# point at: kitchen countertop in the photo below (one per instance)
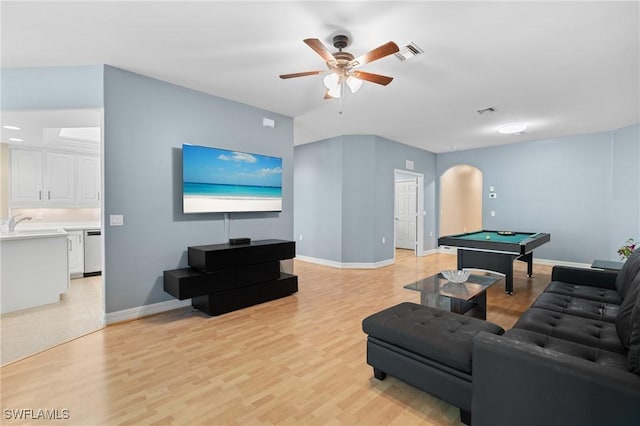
(22, 234)
(45, 229)
(67, 226)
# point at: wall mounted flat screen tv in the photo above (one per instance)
(220, 180)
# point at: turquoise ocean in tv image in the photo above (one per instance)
(220, 190)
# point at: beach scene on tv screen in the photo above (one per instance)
(219, 180)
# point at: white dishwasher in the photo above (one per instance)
(92, 252)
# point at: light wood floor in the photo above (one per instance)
(299, 360)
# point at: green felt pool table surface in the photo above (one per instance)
(494, 236)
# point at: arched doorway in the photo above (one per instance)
(460, 200)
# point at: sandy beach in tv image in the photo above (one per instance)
(218, 180)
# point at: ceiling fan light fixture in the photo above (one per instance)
(335, 92)
(354, 83)
(331, 81)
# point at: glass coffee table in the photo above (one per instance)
(467, 298)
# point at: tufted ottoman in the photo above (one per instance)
(427, 348)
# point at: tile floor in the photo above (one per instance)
(33, 330)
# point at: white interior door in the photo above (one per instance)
(406, 214)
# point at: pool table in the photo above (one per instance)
(494, 252)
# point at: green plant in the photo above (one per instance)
(628, 248)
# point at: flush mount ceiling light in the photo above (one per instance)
(512, 129)
(16, 140)
(12, 127)
(342, 66)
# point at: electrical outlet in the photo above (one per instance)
(383, 240)
(300, 237)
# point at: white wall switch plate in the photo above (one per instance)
(116, 220)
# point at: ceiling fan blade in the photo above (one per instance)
(300, 74)
(377, 53)
(320, 49)
(374, 78)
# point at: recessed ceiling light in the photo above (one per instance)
(16, 140)
(512, 129)
(12, 127)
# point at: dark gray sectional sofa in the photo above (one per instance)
(573, 358)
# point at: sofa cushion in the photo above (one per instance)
(584, 292)
(577, 306)
(442, 336)
(634, 341)
(586, 331)
(623, 320)
(629, 270)
(588, 353)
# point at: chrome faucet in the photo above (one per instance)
(13, 222)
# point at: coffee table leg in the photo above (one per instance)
(481, 305)
(478, 306)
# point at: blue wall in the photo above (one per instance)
(344, 197)
(318, 199)
(146, 123)
(584, 190)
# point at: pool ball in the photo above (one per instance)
(488, 237)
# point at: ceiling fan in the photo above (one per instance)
(342, 66)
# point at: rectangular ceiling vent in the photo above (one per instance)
(486, 110)
(408, 51)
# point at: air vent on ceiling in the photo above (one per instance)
(486, 110)
(408, 51)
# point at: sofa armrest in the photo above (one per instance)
(517, 383)
(584, 276)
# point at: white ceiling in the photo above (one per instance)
(561, 67)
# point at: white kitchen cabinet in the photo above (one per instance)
(88, 180)
(52, 179)
(76, 253)
(60, 178)
(26, 176)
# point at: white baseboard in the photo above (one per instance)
(146, 310)
(560, 263)
(345, 265)
(432, 251)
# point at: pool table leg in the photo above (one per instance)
(508, 284)
(529, 259)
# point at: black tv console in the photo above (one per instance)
(226, 277)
